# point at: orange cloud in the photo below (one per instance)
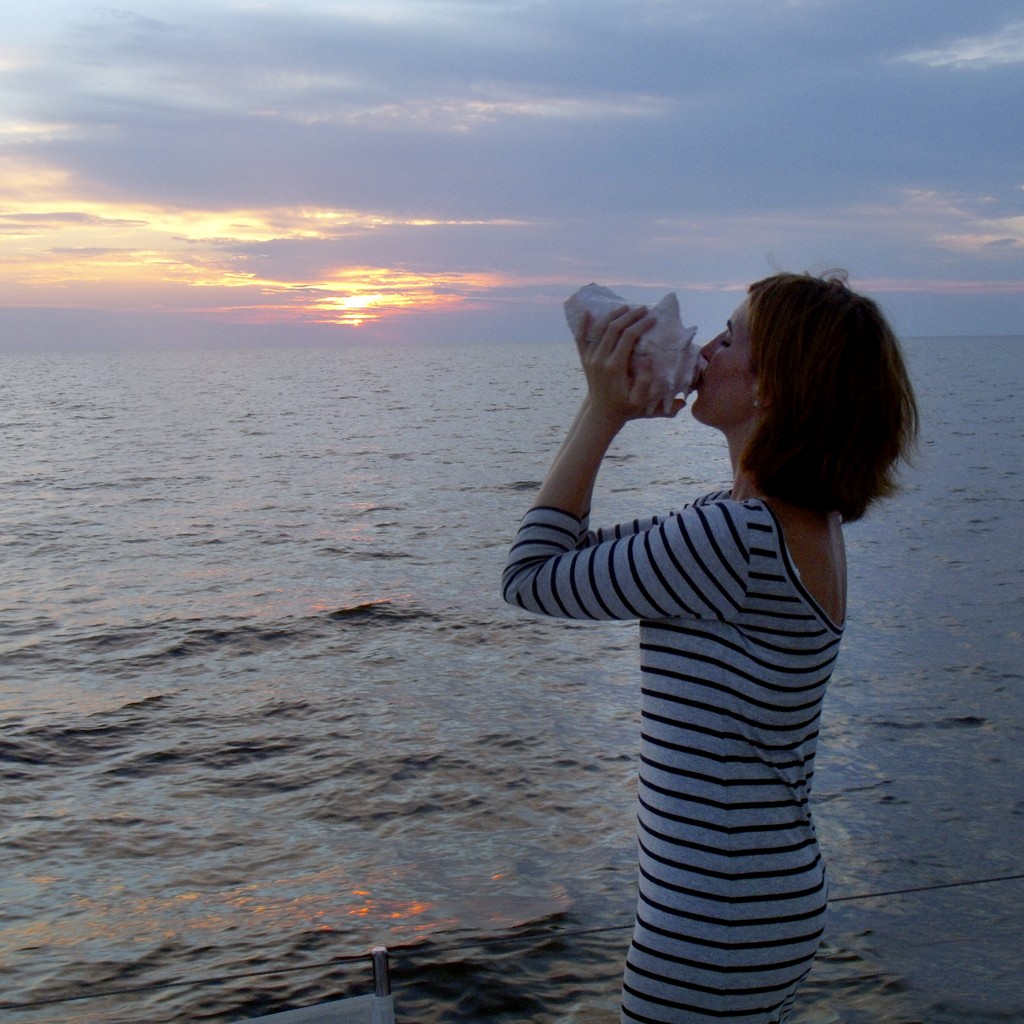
(351, 296)
(58, 249)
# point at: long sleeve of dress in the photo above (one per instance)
(690, 564)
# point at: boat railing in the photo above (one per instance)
(376, 1007)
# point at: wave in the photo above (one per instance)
(146, 642)
(81, 740)
(516, 486)
(383, 610)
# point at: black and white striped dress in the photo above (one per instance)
(735, 658)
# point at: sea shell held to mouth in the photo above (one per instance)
(668, 345)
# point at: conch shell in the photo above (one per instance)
(667, 346)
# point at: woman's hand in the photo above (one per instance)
(619, 387)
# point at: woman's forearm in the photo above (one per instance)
(615, 395)
(569, 484)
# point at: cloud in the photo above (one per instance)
(251, 265)
(981, 52)
(944, 222)
(489, 106)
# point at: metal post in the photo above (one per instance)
(381, 971)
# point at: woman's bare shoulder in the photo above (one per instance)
(815, 544)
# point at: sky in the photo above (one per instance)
(451, 170)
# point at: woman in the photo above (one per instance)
(741, 598)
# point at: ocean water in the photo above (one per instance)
(263, 708)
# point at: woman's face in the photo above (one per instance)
(727, 389)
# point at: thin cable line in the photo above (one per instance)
(453, 947)
(926, 888)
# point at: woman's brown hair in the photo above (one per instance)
(838, 409)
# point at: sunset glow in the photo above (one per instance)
(430, 170)
(61, 250)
